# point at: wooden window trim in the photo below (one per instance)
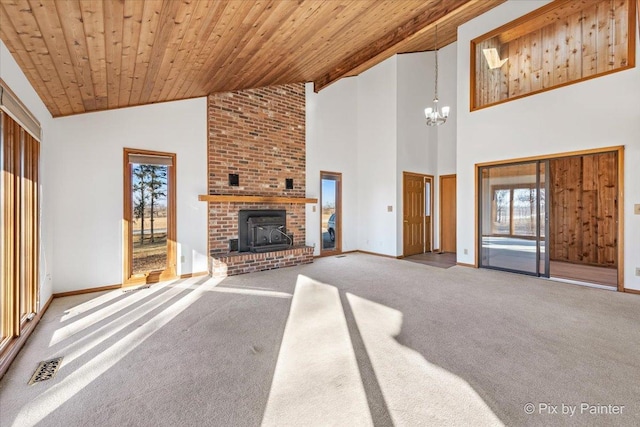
(11, 104)
(170, 272)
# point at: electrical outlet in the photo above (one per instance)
(182, 258)
(466, 251)
(389, 208)
(313, 208)
(637, 271)
(636, 209)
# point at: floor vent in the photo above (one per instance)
(46, 370)
(340, 256)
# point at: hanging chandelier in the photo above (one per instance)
(434, 116)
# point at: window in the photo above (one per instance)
(561, 43)
(513, 210)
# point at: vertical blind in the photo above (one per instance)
(19, 229)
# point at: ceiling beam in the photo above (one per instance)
(390, 43)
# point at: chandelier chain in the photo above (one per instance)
(436, 48)
(436, 115)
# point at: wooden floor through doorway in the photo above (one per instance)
(434, 259)
(584, 273)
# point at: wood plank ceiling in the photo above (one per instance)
(90, 55)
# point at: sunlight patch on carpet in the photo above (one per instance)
(89, 305)
(316, 380)
(83, 323)
(416, 392)
(88, 342)
(254, 292)
(43, 405)
(137, 288)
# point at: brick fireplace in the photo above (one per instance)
(256, 147)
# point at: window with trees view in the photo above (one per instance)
(513, 209)
(149, 216)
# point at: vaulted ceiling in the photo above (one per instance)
(90, 55)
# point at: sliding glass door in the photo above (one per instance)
(513, 212)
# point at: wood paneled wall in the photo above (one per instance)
(580, 45)
(584, 209)
(89, 55)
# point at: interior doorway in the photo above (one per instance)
(448, 213)
(417, 211)
(554, 217)
(149, 216)
(583, 218)
(330, 213)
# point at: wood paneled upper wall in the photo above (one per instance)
(88, 55)
(584, 38)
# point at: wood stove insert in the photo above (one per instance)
(263, 230)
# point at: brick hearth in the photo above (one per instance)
(247, 262)
(258, 134)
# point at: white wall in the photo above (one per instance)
(331, 146)
(376, 122)
(417, 143)
(16, 80)
(447, 92)
(377, 133)
(601, 112)
(87, 187)
(421, 148)
(351, 128)
(447, 133)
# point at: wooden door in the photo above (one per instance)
(413, 214)
(448, 213)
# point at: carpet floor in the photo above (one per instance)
(355, 340)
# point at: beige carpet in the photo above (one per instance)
(431, 346)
